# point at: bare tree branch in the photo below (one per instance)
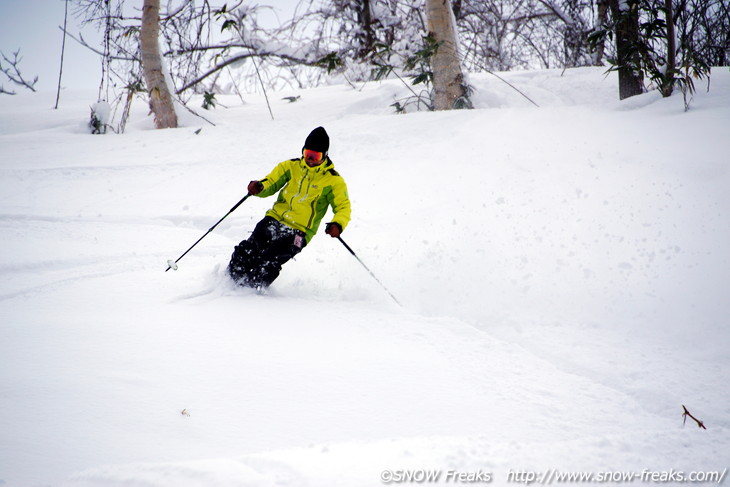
(12, 71)
(83, 42)
(242, 57)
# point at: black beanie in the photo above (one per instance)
(318, 140)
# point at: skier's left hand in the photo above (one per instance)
(333, 229)
(255, 187)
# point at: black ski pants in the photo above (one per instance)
(256, 262)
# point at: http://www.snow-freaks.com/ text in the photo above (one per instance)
(550, 477)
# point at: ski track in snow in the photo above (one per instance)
(563, 295)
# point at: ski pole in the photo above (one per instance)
(172, 264)
(366, 268)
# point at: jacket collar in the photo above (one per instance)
(326, 165)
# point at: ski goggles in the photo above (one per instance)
(313, 156)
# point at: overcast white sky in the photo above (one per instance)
(32, 26)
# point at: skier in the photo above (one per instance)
(307, 186)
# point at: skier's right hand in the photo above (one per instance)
(333, 229)
(255, 187)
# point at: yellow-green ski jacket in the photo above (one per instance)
(307, 193)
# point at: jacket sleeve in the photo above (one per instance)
(340, 202)
(276, 179)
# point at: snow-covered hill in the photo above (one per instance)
(563, 272)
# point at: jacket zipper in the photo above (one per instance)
(299, 191)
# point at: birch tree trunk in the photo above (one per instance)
(448, 79)
(160, 98)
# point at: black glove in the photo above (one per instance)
(255, 187)
(333, 229)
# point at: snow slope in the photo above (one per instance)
(563, 272)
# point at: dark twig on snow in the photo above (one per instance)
(687, 413)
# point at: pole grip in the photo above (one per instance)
(347, 246)
(238, 204)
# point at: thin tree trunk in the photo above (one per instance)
(602, 6)
(366, 23)
(630, 77)
(668, 82)
(63, 50)
(448, 79)
(161, 103)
